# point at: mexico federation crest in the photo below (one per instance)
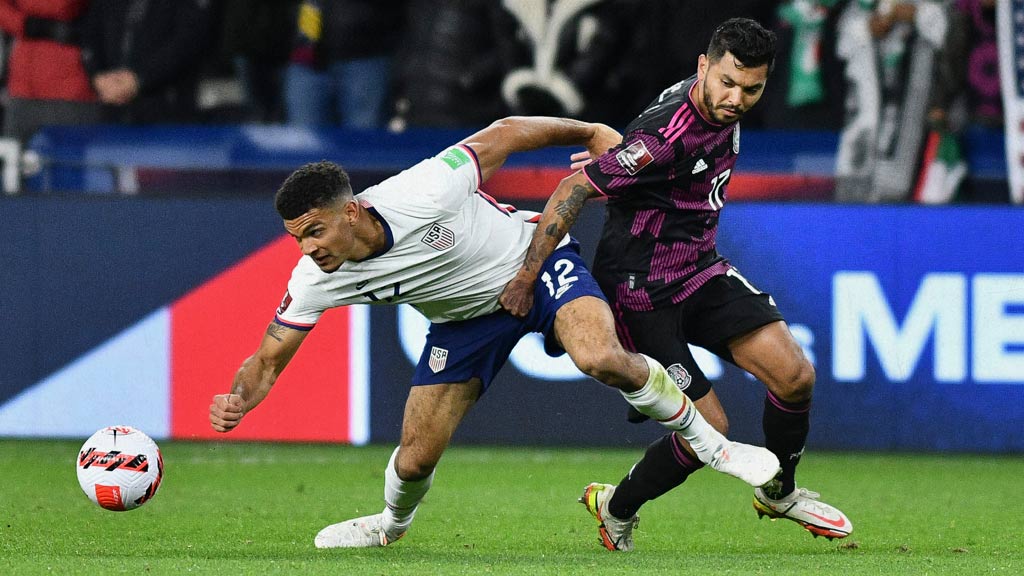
(634, 157)
(736, 139)
(681, 377)
(438, 359)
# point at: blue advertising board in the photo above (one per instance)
(912, 316)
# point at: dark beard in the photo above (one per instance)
(709, 105)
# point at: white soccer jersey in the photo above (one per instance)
(451, 249)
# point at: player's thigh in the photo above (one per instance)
(774, 357)
(432, 413)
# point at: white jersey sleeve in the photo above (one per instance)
(306, 298)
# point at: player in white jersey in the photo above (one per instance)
(428, 237)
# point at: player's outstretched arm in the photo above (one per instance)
(495, 143)
(560, 213)
(256, 376)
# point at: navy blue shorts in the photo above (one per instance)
(478, 347)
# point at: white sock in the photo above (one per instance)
(662, 400)
(401, 499)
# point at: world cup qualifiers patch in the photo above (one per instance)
(634, 157)
(285, 302)
(454, 158)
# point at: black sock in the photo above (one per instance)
(665, 465)
(785, 427)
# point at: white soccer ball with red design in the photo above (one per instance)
(120, 468)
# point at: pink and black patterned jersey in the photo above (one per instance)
(665, 185)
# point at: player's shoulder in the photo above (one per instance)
(661, 111)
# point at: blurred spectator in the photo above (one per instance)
(890, 51)
(449, 72)
(340, 70)
(257, 38)
(943, 166)
(143, 55)
(46, 82)
(806, 90)
(978, 17)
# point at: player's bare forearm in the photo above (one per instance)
(253, 381)
(255, 377)
(560, 214)
(504, 137)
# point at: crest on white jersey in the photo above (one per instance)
(439, 238)
(438, 359)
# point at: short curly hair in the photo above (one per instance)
(752, 44)
(313, 185)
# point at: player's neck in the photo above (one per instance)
(370, 235)
(697, 97)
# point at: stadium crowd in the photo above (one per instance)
(464, 63)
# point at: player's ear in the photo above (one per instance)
(702, 66)
(351, 212)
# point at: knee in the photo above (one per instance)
(412, 466)
(797, 384)
(603, 365)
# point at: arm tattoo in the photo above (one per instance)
(276, 331)
(569, 209)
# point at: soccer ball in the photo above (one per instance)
(120, 468)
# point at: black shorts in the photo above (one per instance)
(725, 307)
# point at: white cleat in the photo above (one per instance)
(615, 534)
(364, 532)
(754, 465)
(803, 507)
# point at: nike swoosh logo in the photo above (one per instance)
(837, 523)
(362, 284)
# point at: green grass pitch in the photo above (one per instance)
(254, 509)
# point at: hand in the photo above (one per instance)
(226, 412)
(517, 297)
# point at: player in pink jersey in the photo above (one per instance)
(669, 287)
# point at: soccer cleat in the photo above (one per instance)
(615, 534)
(803, 507)
(364, 532)
(754, 465)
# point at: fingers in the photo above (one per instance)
(516, 301)
(579, 160)
(226, 412)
